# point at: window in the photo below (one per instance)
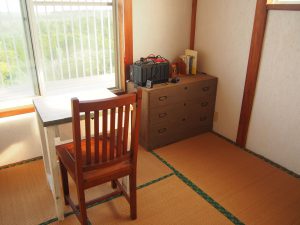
(285, 1)
(74, 43)
(16, 70)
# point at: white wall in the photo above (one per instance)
(275, 123)
(161, 27)
(223, 36)
(19, 139)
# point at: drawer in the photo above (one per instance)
(177, 111)
(204, 104)
(201, 120)
(194, 120)
(199, 89)
(161, 134)
(166, 113)
(165, 96)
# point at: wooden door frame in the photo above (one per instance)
(258, 32)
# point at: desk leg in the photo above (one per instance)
(125, 183)
(54, 171)
(44, 148)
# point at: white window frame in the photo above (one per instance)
(35, 48)
(284, 2)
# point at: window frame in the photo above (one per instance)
(280, 5)
(122, 13)
(283, 2)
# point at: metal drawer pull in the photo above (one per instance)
(162, 130)
(203, 118)
(204, 104)
(162, 115)
(206, 88)
(162, 98)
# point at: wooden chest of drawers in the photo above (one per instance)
(171, 112)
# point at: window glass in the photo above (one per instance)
(286, 1)
(76, 42)
(16, 76)
(73, 42)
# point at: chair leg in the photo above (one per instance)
(82, 207)
(132, 189)
(65, 181)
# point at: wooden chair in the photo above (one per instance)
(104, 156)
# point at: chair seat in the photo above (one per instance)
(92, 175)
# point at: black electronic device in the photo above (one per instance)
(152, 68)
(174, 80)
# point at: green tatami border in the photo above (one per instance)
(21, 163)
(109, 199)
(199, 191)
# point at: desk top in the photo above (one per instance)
(54, 110)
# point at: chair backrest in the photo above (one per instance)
(117, 116)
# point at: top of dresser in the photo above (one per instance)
(184, 79)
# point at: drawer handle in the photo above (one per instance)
(184, 104)
(162, 115)
(162, 98)
(183, 119)
(185, 88)
(204, 104)
(205, 89)
(203, 118)
(162, 130)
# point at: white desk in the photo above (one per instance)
(51, 112)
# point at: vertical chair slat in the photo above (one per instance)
(119, 137)
(76, 132)
(96, 135)
(104, 132)
(133, 118)
(112, 133)
(126, 123)
(88, 137)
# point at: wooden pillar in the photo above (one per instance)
(193, 24)
(252, 70)
(128, 36)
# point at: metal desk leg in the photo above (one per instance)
(54, 171)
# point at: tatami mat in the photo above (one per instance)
(166, 202)
(148, 169)
(213, 182)
(251, 189)
(25, 195)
